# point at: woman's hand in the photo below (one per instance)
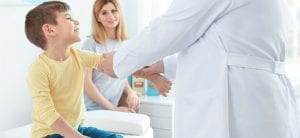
(124, 109)
(133, 100)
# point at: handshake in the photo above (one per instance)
(152, 73)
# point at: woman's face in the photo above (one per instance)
(109, 16)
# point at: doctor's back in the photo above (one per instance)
(237, 87)
(243, 97)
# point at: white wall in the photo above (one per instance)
(15, 54)
(130, 12)
(149, 10)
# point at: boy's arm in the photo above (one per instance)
(61, 127)
(38, 83)
(91, 59)
(104, 55)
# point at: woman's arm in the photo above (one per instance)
(132, 98)
(93, 93)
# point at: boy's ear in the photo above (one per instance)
(48, 30)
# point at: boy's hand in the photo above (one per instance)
(107, 64)
(62, 127)
(108, 54)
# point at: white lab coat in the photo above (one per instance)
(170, 65)
(230, 81)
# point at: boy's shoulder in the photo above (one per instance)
(38, 60)
(39, 66)
(77, 52)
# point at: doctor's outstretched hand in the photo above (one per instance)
(107, 64)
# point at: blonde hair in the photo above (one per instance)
(98, 31)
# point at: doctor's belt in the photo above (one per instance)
(253, 62)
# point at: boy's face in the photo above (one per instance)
(67, 29)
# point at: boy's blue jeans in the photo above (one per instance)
(91, 132)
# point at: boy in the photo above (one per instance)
(56, 77)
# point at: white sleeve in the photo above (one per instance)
(170, 64)
(183, 24)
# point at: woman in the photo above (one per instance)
(108, 32)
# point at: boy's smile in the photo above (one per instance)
(67, 28)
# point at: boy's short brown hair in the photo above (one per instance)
(44, 13)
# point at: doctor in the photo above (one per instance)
(230, 79)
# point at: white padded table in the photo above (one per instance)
(127, 124)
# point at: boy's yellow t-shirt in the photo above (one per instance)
(57, 89)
